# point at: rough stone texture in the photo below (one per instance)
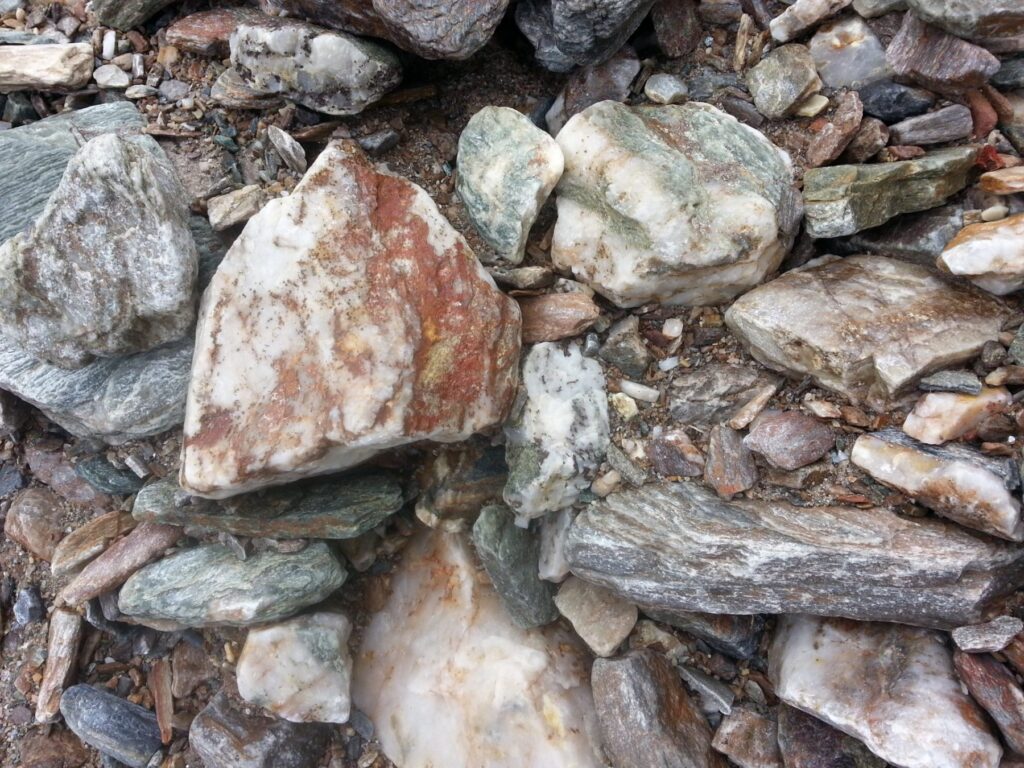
(884, 324)
(45, 67)
(676, 26)
(507, 169)
(424, 346)
(106, 478)
(988, 637)
(833, 138)
(997, 25)
(231, 91)
(807, 742)
(939, 417)
(947, 124)
(994, 687)
(301, 61)
(448, 679)
(299, 669)
(234, 208)
(625, 348)
(662, 88)
(611, 80)
(915, 237)
(989, 254)
(210, 586)
(695, 206)
(84, 543)
(677, 546)
(646, 716)
(729, 467)
(750, 739)
(33, 521)
(964, 382)
(892, 102)
(125, 14)
(600, 617)
(737, 636)
(715, 392)
(65, 634)
(803, 15)
(208, 32)
(556, 316)
(783, 80)
(789, 439)
(848, 54)
(1005, 181)
(456, 483)
(937, 60)
(118, 728)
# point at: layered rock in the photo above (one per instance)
(448, 679)
(125, 14)
(679, 547)
(997, 25)
(989, 254)
(937, 60)
(45, 67)
(865, 326)
(680, 204)
(208, 33)
(421, 343)
(994, 686)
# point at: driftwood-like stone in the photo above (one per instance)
(938, 60)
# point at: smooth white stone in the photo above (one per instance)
(448, 679)
(111, 77)
(42, 67)
(663, 88)
(299, 669)
(940, 417)
(639, 391)
(990, 254)
(848, 54)
(600, 617)
(554, 528)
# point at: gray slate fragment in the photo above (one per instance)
(988, 637)
(106, 478)
(715, 696)
(946, 124)
(114, 726)
(1010, 75)
(964, 382)
(736, 636)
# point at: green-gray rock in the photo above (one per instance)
(209, 586)
(783, 80)
(843, 199)
(511, 556)
(125, 14)
(507, 168)
(106, 478)
(340, 507)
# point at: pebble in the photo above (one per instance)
(555, 316)
(601, 618)
(749, 739)
(783, 80)
(288, 148)
(89, 540)
(610, 80)
(1005, 181)
(989, 253)
(379, 142)
(173, 90)
(117, 728)
(106, 478)
(234, 208)
(729, 466)
(988, 637)
(872, 136)
(939, 417)
(33, 521)
(803, 15)
(45, 67)
(640, 392)
(28, 607)
(813, 106)
(625, 348)
(715, 696)
(962, 382)
(673, 454)
(662, 88)
(833, 138)
(111, 76)
(789, 439)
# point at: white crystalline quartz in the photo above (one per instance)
(449, 681)
(989, 254)
(942, 416)
(848, 54)
(554, 529)
(45, 67)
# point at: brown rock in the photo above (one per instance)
(159, 685)
(673, 454)
(676, 26)
(59, 749)
(749, 739)
(896, 154)
(993, 686)
(557, 316)
(61, 654)
(34, 521)
(207, 32)
(983, 114)
(51, 468)
(789, 439)
(830, 142)
(943, 125)
(190, 666)
(872, 136)
(84, 543)
(938, 60)
(807, 742)
(1005, 181)
(730, 467)
(607, 81)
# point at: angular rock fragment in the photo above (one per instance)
(937, 60)
(230, 90)
(554, 528)
(33, 521)
(61, 655)
(737, 636)
(610, 80)
(833, 138)
(997, 25)
(882, 324)
(676, 26)
(989, 254)
(118, 728)
(507, 169)
(423, 346)
(749, 739)
(993, 686)
(729, 466)
(625, 348)
(679, 547)
(789, 439)
(208, 32)
(940, 417)
(458, 482)
(963, 382)
(848, 54)
(629, 227)
(86, 542)
(783, 80)
(807, 742)
(1005, 181)
(715, 392)
(210, 586)
(946, 124)
(288, 149)
(45, 67)
(663, 88)
(600, 617)
(803, 15)
(988, 637)
(485, 691)
(555, 316)
(891, 686)
(892, 102)
(234, 208)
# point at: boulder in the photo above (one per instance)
(45, 67)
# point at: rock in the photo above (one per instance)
(106, 478)
(892, 102)
(189, 667)
(125, 14)
(207, 33)
(173, 91)
(957, 482)
(946, 124)
(998, 25)
(225, 736)
(869, 9)
(783, 80)
(611, 80)
(28, 607)
(59, 749)
(555, 316)
(749, 739)
(715, 392)
(834, 137)
(1005, 181)
(802, 16)
(679, 547)
(554, 528)
(789, 439)
(33, 521)
(715, 696)
(729, 467)
(61, 656)
(231, 91)
(916, 237)
(511, 556)
(117, 728)
(458, 482)
(210, 586)
(963, 382)
(111, 77)
(601, 618)
(848, 54)
(146, 252)
(299, 669)
(937, 60)
(45, 67)
(663, 88)
(676, 26)
(409, 290)
(49, 465)
(13, 414)
(86, 542)
(288, 148)
(607, 205)
(940, 417)
(487, 692)
(807, 742)
(736, 636)
(673, 454)
(993, 686)
(872, 136)
(559, 431)
(11, 479)
(234, 208)
(534, 19)
(507, 169)
(624, 348)
(646, 716)
(787, 315)
(988, 637)
(299, 61)
(989, 254)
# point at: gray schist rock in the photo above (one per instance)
(210, 586)
(988, 637)
(783, 80)
(114, 726)
(125, 14)
(680, 547)
(997, 25)
(338, 507)
(737, 636)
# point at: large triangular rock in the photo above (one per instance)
(347, 319)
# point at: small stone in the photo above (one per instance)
(716, 392)
(28, 607)
(45, 67)
(994, 687)
(715, 696)
(783, 80)
(61, 657)
(118, 728)
(990, 254)
(610, 80)
(208, 32)
(554, 528)
(813, 106)
(988, 637)
(288, 148)
(190, 666)
(848, 54)
(379, 142)
(33, 521)
(749, 739)
(625, 348)
(556, 316)
(834, 137)
(676, 26)
(86, 542)
(729, 467)
(662, 88)
(803, 15)
(106, 478)
(940, 417)
(173, 90)
(937, 60)
(946, 124)
(457, 483)
(963, 382)
(1005, 181)
(807, 742)
(111, 77)
(600, 617)
(892, 102)
(11, 479)
(234, 208)
(231, 91)
(789, 439)
(872, 136)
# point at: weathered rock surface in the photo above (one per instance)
(208, 33)
(125, 14)
(937, 60)
(749, 739)
(737, 636)
(991, 636)
(424, 346)
(635, 213)
(998, 25)
(892, 102)
(507, 169)
(848, 54)
(84, 543)
(235, 207)
(33, 520)
(989, 254)
(448, 679)
(456, 484)
(1005, 181)
(884, 324)
(789, 439)
(891, 686)
(828, 143)
(803, 15)
(65, 634)
(611, 80)
(807, 742)
(946, 124)
(783, 80)
(729, 467)
(45, 67)
(556, 316)
(678, 546)
(600, 617)
(715, 392)
(114, 726)
(994, 686)
(939, 417)
(210, 586)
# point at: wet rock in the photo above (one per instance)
(507, 169)
(736, 636)
(33, 521)
(45, 67)
(957, 482)
(86, 542)
(749, 739)
(413, 315)
(226, 736)
(988, 637)
(458, 482)
(989, 254)
(940, 417)
(117, 728)
(994, 687)
(946, 124)
(680, 547)
(299, 669)
(235, 207)
(848, 54)
(61, 656)
(299, 61)
(207, 33)
(555, 316)
(834, 137)
(937, 60)
(998, 25)
(646, 716)
(610, 80)
(807, 742)
(601, 618)
(783, 80)
(789, 439)
(487, 692)
(679, 263)
(558, 433)
(625, 348)
(729, 467)
(909, 323)
(676, 26)
(964, 382)
(803, 15)
(210, 586)
(715, 392)
(666, 89)
(892, 102)
(511, 557)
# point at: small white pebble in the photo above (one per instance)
(814, 105)
(639, 391)
(668, 363)
(995, 213)
(673, 328)
(109, 45)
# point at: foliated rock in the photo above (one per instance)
(507, 169)
(937, 60)
(116, 727)
(989, 637)
(125, 14)
(680, 204)
(783, 80)
(997, 25)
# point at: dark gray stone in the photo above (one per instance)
(964, 382)
(915, 237)
(946, 124)
(28, 607)
(736, 636)
(625, 348)
(891, 102)
(1010, 75)
(118, 728)
(11, 479)
(714, 392)
(125, 14)
(807, 742)
(106, 478)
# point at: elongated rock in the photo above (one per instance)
(210, 586)
(125, 14)
(991, 636)
(114, 726)
(45, 67)
(803, 15)
(891, 686)
(989, 254)
(865, 326)
(680, 204)
(937, 60)
(208, 32)
(993, 686)
(555, 316)
(422, 344)
(61, 654)
(86, 542)
(946, 124)
(679, 547)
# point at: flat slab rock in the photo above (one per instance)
(680, 547)
(865, 326)
(891, 686)
(422, 344)
(988, 637)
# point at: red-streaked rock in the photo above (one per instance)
(84, 543)
(557, 316)
(207, 32)
(347, 319)
(938, 60)
(993, 686)
(1005, 181)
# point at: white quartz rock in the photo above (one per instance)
(299, 669)
(802, 15)
(559, 432)
(449, 680)
(989, 254)
(848, 54)
(554, 529)
(940, 417)
(43, 67)
(891, 686)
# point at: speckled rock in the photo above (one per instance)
(807, 742)
(997, 25)
(789, 439)
(208, 32)
(45, 67)
(749, 739)
(783, 80)
(988, 637)
(114, 726)
(989, 254)
(125, 14)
